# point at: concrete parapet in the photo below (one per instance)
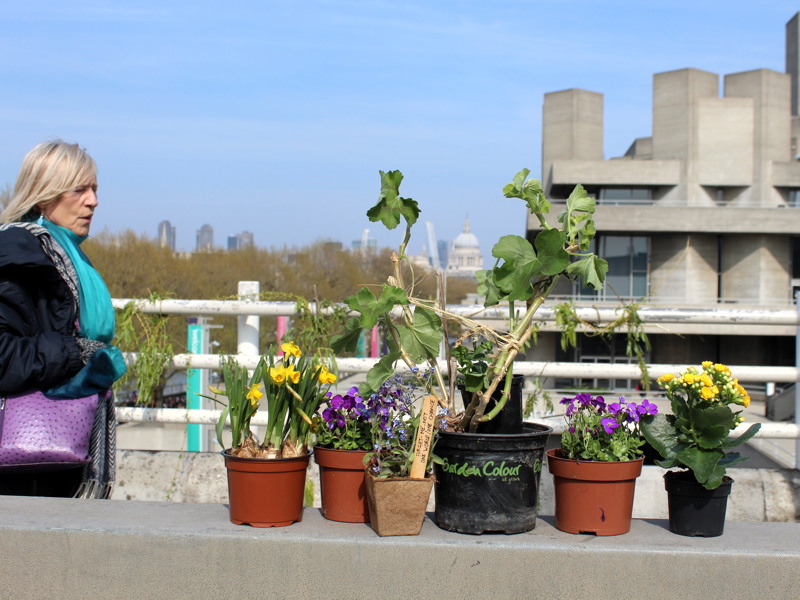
(758, 494)
(77, 549)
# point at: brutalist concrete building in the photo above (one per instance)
(703, 213)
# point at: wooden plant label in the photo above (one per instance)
(422, 448)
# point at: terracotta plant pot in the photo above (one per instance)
(266, 492)
(397, 505)
(693, 510)
(593, 496)
(342, 487)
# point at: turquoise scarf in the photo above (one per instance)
(96, 318)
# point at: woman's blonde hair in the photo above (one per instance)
(48, 170)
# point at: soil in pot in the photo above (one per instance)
(266, 492)
(593, 496)
(509, 420)
(693, 510)
(489, 483)
(342, 487)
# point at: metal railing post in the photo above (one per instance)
(248, 325)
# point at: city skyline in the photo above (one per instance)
(279, 116)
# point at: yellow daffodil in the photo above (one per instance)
(278, 374)
(254, 395)
(291, 348)
(326, 376)
(292, 375)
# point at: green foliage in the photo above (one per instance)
(696, 434)
(391, 207)
(146, 335)
(473, 364)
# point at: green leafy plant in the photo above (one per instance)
(524, 273)
(697, 433)
(148, 336)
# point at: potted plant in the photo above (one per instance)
(595, 470)
(522, 278)
(344, 438)
(266, 479)
(398, 477)
(696, 437)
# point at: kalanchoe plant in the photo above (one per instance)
(608, 432)
(524, 273)
(697, 433)
(290, 388)
(345, 423)
(394, 424)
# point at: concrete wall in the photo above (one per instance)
(77, 549)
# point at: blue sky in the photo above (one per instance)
(276, 116)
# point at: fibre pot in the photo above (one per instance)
(266, 492)
(341, 480)
(397, 504)
(489, 483)
(593, 496)
(694, 510)
(509, 420)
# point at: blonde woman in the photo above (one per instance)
(56, 317)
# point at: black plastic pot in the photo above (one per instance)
(693, 510)
(489, 483)
(510, 418)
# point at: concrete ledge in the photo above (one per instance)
(78, 549)
(758, 494)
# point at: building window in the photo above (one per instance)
(618, 195)
(628, 260)
(794, 198)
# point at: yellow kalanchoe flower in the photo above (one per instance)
(706, 364)
(709, 393)
(666, 378)
(254, 395)
(721, 368)
(291, 348)
(690, 378)
(706, 380)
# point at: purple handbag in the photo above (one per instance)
(38, 433)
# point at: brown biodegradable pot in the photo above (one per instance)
(341, 481)
(266, 492)
(397, 504)
(593, 496)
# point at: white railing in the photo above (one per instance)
(248, 340)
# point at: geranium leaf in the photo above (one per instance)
(522, 263)
(421, 340)
(487, 287)
(380, 372)
(592, 270)
(391, 207)
(372, 308)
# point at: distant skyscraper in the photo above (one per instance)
(240, 241)
(366, 242)
(205, 238)
(166, 235)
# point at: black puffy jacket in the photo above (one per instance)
(37, 317)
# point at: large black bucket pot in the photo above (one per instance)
(510, 418)
(694, 510)
(489, 483)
